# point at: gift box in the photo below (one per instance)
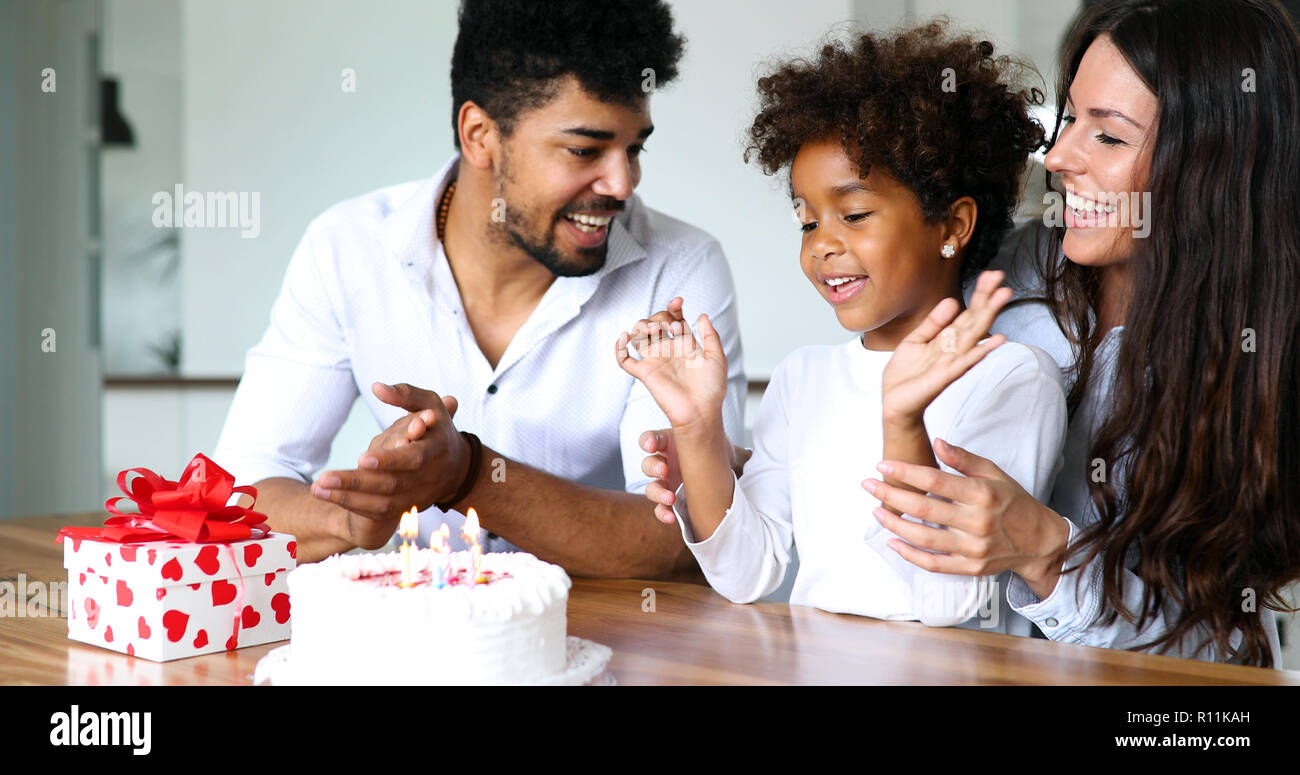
(164, 601)
(185, 575)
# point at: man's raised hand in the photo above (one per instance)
(417, 461)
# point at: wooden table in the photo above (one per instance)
(693, 636)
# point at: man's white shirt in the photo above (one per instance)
(369, 297)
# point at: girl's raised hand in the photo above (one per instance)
(944, 347)
(687, 378)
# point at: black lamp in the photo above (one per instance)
(114, 130)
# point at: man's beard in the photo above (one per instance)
(544, 249)
(549, 255)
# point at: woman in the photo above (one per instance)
(1173, 526)
(1178, 498)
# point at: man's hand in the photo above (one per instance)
(417, 461)
(409, 428)
(662, 463)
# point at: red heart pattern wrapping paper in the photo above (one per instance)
(164, 600)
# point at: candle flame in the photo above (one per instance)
(471, 529)
(408, 529)
(438, 539)
(470, 532)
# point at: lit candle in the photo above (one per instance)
(471, 531)
(408, 528)
(441, 555)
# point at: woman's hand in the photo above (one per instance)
(993, 524)
(688, 379)
(940, 350)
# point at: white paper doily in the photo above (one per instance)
(585, 666)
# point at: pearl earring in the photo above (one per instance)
(948, 251)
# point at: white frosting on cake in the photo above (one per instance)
(351, 627)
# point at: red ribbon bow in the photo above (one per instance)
(193, 510)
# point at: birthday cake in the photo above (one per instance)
(354, 623)
(432, 616)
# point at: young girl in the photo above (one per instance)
(905, 156)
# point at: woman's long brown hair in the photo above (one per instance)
(1202, 431)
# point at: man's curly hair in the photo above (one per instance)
(509, 53)
(941, 113)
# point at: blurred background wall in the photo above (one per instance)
(50, 389)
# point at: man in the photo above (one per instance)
(503, 281)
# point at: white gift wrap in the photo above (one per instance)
(164, 600)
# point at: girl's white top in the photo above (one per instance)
(818, 435)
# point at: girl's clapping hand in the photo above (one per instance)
(940, 350)
(686, 377)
